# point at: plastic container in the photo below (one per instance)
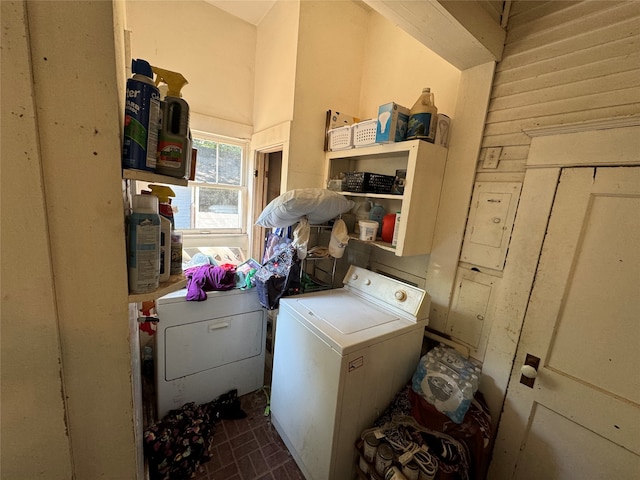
(142, 119)
(143, 253)
(340, 138)
(174, 147)
(388, 227)
(176, 253)
(377, 214)
(368, 230)
(396, 230)
(364, 133)
(164, 195)
(165, 249)
(423, 118)
(361, 211)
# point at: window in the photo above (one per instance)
(215, 200)
(212, 211)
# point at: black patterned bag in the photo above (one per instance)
(277, 277)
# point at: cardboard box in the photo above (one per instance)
(392, 123)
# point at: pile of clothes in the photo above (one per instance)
(179, 443)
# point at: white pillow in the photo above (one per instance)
(317, 204)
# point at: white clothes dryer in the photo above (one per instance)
(205, 349)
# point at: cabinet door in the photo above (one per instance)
(471, 310)
(493, 209)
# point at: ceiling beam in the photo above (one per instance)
(462, 33)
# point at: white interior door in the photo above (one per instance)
(581, 419)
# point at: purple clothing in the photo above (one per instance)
(207, 278)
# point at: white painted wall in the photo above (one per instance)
(67, 403)
(396, 67)
(30, 335)
(215, 51)
(275, 70)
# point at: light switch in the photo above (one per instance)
(492, 157)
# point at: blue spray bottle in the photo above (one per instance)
(142, 119)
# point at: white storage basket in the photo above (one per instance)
(340, 138)
(364, 133)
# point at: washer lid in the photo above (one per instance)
(345, 312)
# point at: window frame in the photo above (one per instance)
(223, 237)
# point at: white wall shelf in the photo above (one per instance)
(144, 176)
(424, 163)
(175, 282)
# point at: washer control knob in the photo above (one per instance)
(367, 281)
(401, 295)
(354, 276)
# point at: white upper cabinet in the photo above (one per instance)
(424, 164)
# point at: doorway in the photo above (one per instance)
(268, 175)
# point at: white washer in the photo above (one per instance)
(340, 357)
(205, 349)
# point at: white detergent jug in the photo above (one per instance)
(361, 211)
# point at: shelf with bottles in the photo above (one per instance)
(424, 164)
(145, 176)
(175, 282)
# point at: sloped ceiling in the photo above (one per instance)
(251, 11)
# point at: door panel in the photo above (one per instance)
(581, 418)
(553, 436)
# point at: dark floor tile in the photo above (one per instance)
(247, 472)
(266, 476)
(241, 439)
(245, 449)
(258, 461)
(225, 473)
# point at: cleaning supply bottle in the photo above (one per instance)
(164, 195)
(377, 214)
(167, 224)
(174, 149)
(361, 210)
(143, 242)
(423, 118)
(142, 119)
(176, 253)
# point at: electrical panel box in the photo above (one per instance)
(493, 210)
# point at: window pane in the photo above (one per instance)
(230, 163)
(217, 208)
(182, 207)
(207, 163)
(218, 162)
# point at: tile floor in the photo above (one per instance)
(249, 448)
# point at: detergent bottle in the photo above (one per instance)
(142, 119)
(143, 242)
(166, 227)
(174, 146)
(423, 118)
(377, 214)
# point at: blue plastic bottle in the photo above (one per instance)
(143, 245)
(142, 119)
(377, 214)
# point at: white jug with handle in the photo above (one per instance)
(362, 210)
